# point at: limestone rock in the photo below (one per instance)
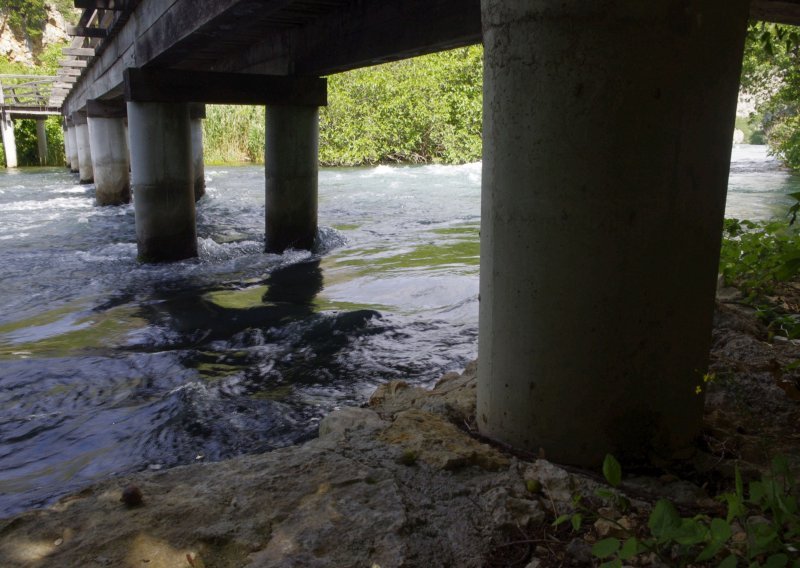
(337, 424)
(437, 442)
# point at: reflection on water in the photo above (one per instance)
(108, 366)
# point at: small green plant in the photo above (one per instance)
(612, 471)
(765, 519)
(757, 256)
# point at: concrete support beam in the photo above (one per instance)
(72, 158)
(197, 112)
(292, 148)
(65, 131)
(41, 141)
(162, 181)
(9, 142)
(85, 171)
(110, 158)
(605, 169)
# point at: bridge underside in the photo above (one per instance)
(607, 139)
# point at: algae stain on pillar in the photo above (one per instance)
(607, 137)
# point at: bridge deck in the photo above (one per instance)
(302, 37)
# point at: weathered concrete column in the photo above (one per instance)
(292, 149)
(197, 112)
(72, 157)
(162, 182)
(607, 139)
(41, 141)
(85, 172)
(65, 132)
(9, 142)
(109, 152)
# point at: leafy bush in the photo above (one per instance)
(426, 109)
(756, 255)
(26, 18)
(761, 528)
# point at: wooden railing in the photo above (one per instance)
(27, 94)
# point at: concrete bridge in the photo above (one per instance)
(607, 138)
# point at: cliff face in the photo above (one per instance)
(23, 49)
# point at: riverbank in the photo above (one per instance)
(405, 481)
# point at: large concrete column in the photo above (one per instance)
(72, 158)
(197, 112)
(83, 143)
(162, 182)
(41, 141)
(109, 152)
(292, 149)
(9, 142)
(607, 139)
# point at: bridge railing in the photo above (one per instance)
(26, 92)
(98, 23)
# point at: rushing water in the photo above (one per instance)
(108, 366)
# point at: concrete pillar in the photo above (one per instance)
(607, 139)
(72, 134)
(65, 131)
(292, 147)
(41, 141)
(84, 147)
(197, 112)
(109, 152)
(9, 143)
(162, 182)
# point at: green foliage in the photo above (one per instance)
(426, 109)
(612, 470)
(771, 75)
(764, 519)
(26, 18)
(756, 256)
(233, 134)
(27, 147)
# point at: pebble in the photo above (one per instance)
(132, 496)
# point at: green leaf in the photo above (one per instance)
(720, 533)
(616, 563)
(776, 561)
(605, 548)
(664, 520)
(612, 470)
(736, 509)
(720, 530)
(561, 519)
(729, 562)
(739, 483)
(577, 520)
(690, 532)
(606, 494)
(629, 549)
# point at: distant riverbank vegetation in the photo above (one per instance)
(771, 78)
(25, 130)
(421, 110)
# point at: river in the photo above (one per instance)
(108, 366)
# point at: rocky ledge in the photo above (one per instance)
(401, 482)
